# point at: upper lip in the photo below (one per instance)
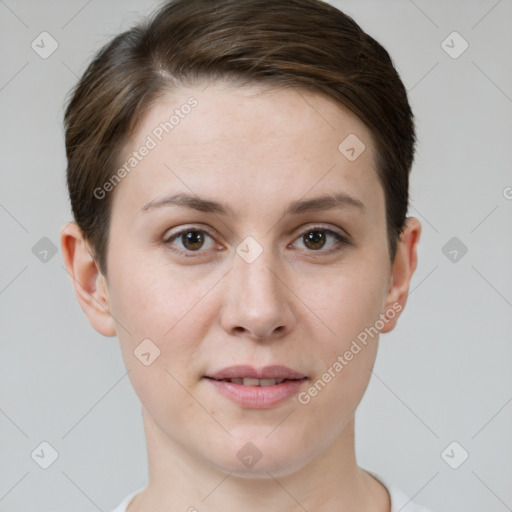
(267, 372)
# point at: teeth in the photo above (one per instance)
(249, 381)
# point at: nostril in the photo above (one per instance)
(258, 333)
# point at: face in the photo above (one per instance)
(245, 237)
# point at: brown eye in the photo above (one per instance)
(321, 240)
(192, 240)
(314, 240)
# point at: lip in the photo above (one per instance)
(257, 397)
(267, 372)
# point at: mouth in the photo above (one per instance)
(266, 373)
(249, 381)
(257, 388)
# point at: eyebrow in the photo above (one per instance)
(194, 202)
(324, 202)
(189, 201)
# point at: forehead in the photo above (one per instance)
(250, 143)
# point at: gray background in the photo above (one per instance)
(443, 375)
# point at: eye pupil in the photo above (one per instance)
(192, 240)
(314, 240)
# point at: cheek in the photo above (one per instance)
(347, 354)
(154, 300)
(169, 311)
(349, 301)
(350, 308)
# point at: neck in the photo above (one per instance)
(180, 481)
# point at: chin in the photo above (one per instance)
(261, 458)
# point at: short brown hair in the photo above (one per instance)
(305, 44)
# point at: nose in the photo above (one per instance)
(258, 303)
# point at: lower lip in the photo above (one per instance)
(258, 397)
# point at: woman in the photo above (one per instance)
(238, 173)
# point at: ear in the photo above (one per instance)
(89, 283)
(404, 265)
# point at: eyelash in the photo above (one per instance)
(340, 243)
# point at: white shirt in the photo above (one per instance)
(400, 502)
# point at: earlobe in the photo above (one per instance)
(404, 265)
(89, 283)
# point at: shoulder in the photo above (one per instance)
(400, 502)
(126, 501)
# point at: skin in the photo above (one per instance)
(255, 151)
